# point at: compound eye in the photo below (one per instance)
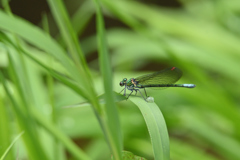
(121, 83)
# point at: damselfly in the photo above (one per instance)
(163, 78)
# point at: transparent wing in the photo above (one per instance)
(166, 76)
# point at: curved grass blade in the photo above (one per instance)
(156, 127)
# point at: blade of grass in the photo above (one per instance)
(114, 134)
(27, 121)
(5, 134)
(10, 146)
(80, 19)
(60, 14)
(156, 127)
(70, 38)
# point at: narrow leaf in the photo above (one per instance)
(10, 146)
(156, 127)
(114, 137)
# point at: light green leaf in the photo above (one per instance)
(156, 127)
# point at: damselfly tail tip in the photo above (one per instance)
(189, 85)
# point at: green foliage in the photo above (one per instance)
(156, 128)
(49, 91)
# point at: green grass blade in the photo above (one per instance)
(81, 71)
(5, 134)
(114, 137)
(156, 127)
(80, 20)
(70, 38)
(10, 146)
(60, 14)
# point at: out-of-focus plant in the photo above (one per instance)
(40, 75)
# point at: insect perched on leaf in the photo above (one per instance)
(163, 78)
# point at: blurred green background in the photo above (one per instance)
(202, 38)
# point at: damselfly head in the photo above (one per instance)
(123, 82)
